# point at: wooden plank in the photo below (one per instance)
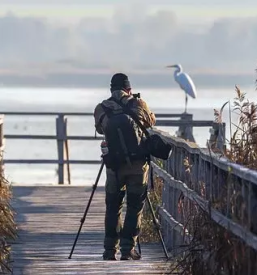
(10, 113)
(48, 219)
(49, 161)
(43, 137)
(237, 229)
(72, 114)
(177, 123)
(217, 160)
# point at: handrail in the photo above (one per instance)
(202, 181)
(33, 113)
(202, 177)
(61, 138)
(238, 230)
(52, 137)
(185, 126)
(211, 157)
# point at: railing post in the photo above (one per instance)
(67, 154)
(1, 143)
(221, 141)
(60, 133)
(218, 136)
(185, 131)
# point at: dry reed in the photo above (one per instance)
(7, 225)
(213, 249)
(148, 232)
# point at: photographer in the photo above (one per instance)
(126, 168)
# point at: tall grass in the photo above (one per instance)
(242, 147)
(149, 233)
(148, 230)
(213, 249)
(7, 225)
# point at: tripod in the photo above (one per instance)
(155, 221)
(88, 205)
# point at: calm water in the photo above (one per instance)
(84, 100)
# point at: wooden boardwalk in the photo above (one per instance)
(48, 218)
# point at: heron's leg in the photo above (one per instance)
(186, 99)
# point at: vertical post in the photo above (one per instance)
(170, 231)
(1, 144)
(218, 136)
(249, 210)
(1, 130)
(214, 131)
(67, 154)
(185, 131)
(221, 137)
(60, 133)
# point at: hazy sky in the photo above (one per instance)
(221, 35)
(76, 8)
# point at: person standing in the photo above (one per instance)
(131, 176)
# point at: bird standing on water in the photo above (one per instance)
(185, 82)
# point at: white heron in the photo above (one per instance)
(185, 82)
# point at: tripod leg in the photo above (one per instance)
(88, 205)
(139, 246)
(157, 226)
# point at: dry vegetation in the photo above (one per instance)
(149, 233)
(243, 143)
(7, 225)
(212, 249)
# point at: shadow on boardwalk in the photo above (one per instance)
(48, 218)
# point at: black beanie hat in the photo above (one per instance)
(120, 81)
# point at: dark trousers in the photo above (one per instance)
(118, 235)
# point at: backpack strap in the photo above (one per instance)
(133, 115)
(108, 112)
(130, 102)
(128, 111)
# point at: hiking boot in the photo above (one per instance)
(109, 255)
(130, 255)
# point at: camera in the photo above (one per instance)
(136, 95)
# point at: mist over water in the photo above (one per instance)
(85, 100)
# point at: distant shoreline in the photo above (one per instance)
(100, 80)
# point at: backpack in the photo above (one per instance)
(153, 144)
(124, 139)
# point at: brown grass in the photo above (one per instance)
(148, 232)
(7, 225)
(214, 250)
(243, 142)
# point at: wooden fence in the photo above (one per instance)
(199, 177)
(192, 176)
(184, 122)
(1, 142)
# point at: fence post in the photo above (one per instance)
(185, 131)
(1, 143)
(67, 154)
(221, 141)
(60, 133)
(218, 136)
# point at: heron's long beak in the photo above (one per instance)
(170, 66)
